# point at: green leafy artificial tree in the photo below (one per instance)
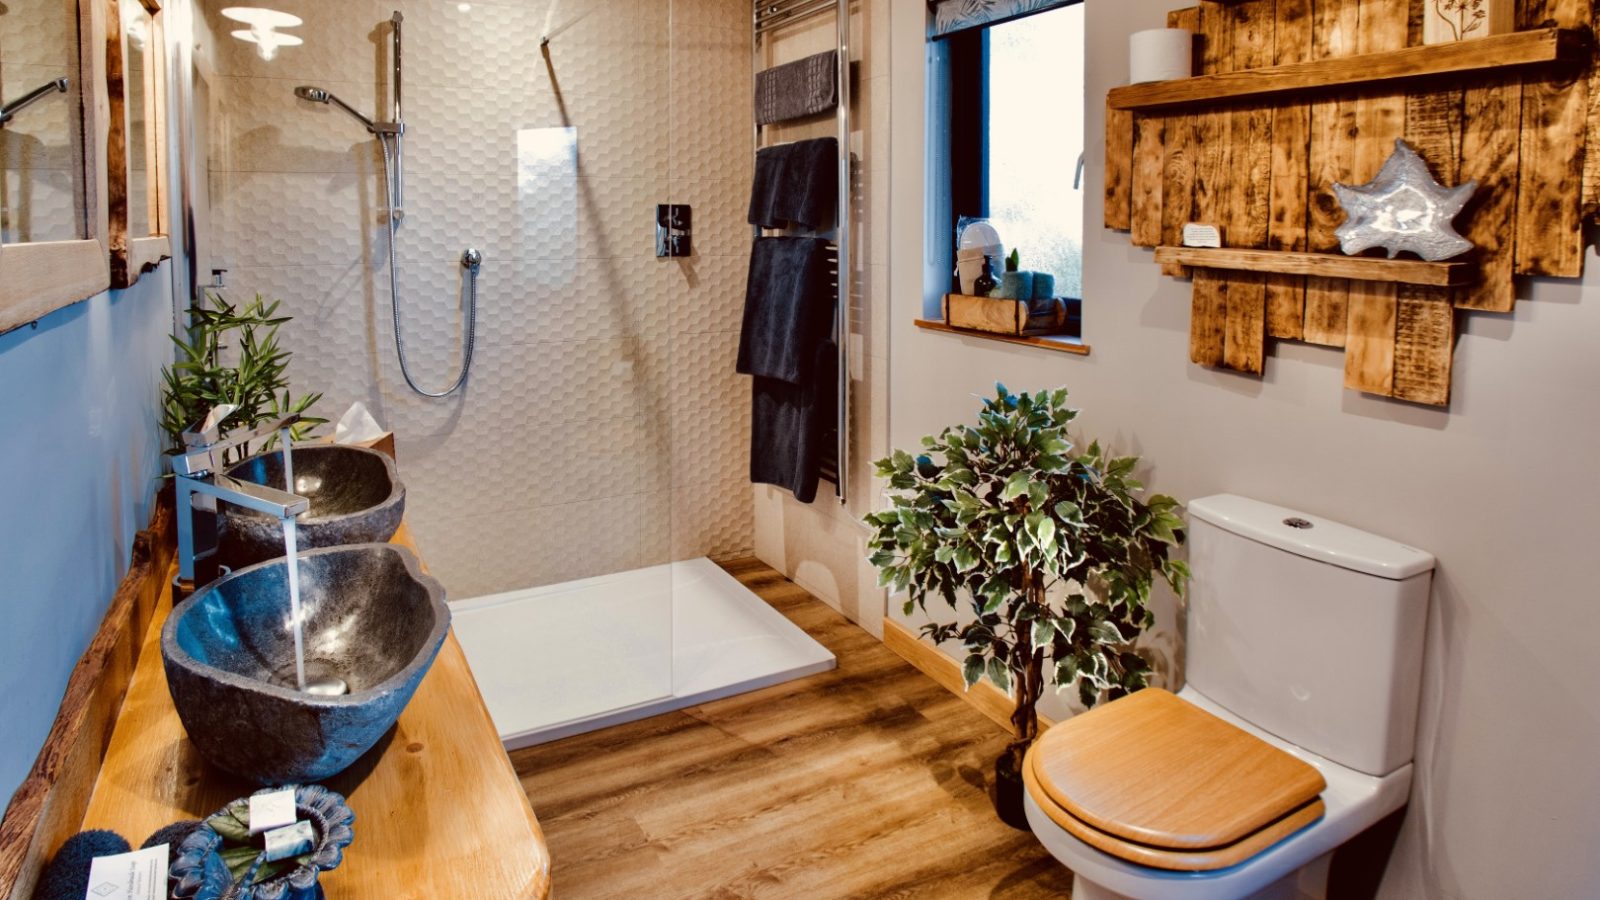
(1052, 550)
(231, 355)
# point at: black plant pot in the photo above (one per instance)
(1008, 788)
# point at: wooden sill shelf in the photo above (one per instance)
(1503, 51)
(1326, 265)
(1058, 342)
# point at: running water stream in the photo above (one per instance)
(291, 548)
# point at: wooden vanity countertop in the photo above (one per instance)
(439, 810)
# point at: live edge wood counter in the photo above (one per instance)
(439, 811)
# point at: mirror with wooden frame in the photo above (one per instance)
(136, 147)
(52, 131)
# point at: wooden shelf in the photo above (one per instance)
(1505, 51)
(1326, 265)
(1058, 342)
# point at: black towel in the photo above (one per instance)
(788, 306)
(791, 425)
(804, 87)
(796, 184)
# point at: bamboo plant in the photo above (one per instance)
(231, 355)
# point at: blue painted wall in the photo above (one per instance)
(79, 462)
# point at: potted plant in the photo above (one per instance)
(231, 355)
(1052, 552)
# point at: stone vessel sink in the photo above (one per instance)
(356, 497)
(372, 620)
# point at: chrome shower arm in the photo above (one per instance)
(9, 110)
(371, 125)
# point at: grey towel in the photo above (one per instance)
(796, 184)
(792, 426)
(804, 87)
(788, 306)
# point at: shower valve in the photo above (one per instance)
(673, 231)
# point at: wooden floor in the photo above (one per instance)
(867, 781)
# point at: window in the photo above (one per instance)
(1015, 131)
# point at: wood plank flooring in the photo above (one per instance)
(867, 781)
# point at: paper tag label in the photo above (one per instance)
(1197, 235)
(293, 840)
(272, 810)
(140, 875)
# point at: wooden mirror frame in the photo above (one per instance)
(133, 255)
(39, 278)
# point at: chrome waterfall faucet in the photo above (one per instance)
(199, 482)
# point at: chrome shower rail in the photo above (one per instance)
(767, 16)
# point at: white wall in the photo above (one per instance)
(1501, 488)
(79, 462)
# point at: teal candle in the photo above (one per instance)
(1016, 286)
(1044, 286)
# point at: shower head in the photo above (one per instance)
(318, 95)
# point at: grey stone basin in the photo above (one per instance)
(356, 497)
(372, 619)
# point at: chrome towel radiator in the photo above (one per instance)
(768, 16)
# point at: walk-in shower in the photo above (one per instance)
(572, 497)
(391, 139)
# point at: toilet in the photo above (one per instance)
(1293, 734)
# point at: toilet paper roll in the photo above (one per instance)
(1160, 54)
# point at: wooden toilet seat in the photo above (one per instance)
(1160, 782)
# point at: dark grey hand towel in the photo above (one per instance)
(804, 87)
(788, 306)
(792, 426)
(796, 184)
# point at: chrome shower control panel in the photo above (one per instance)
(673, 231)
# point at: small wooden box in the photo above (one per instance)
(1004, 316)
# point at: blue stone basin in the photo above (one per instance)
(373, 619)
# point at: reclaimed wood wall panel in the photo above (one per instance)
(1335, 132)
(1591, 153)
(1380, 121)
(1491, 122)
(1260, 166)
(1425, 340)
(1177, 189)
(1119, 164)
(1287, 200)
(1149, 159)
(1549, 233)
(1208, 317)
(1369, 344)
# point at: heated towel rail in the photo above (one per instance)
(768, 16)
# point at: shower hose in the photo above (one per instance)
(470, 260)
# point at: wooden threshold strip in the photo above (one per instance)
(1057, 342)
(1324, 265)
(1517, 49)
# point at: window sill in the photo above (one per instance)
(1058, 342)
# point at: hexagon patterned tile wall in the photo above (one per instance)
(603, 427)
